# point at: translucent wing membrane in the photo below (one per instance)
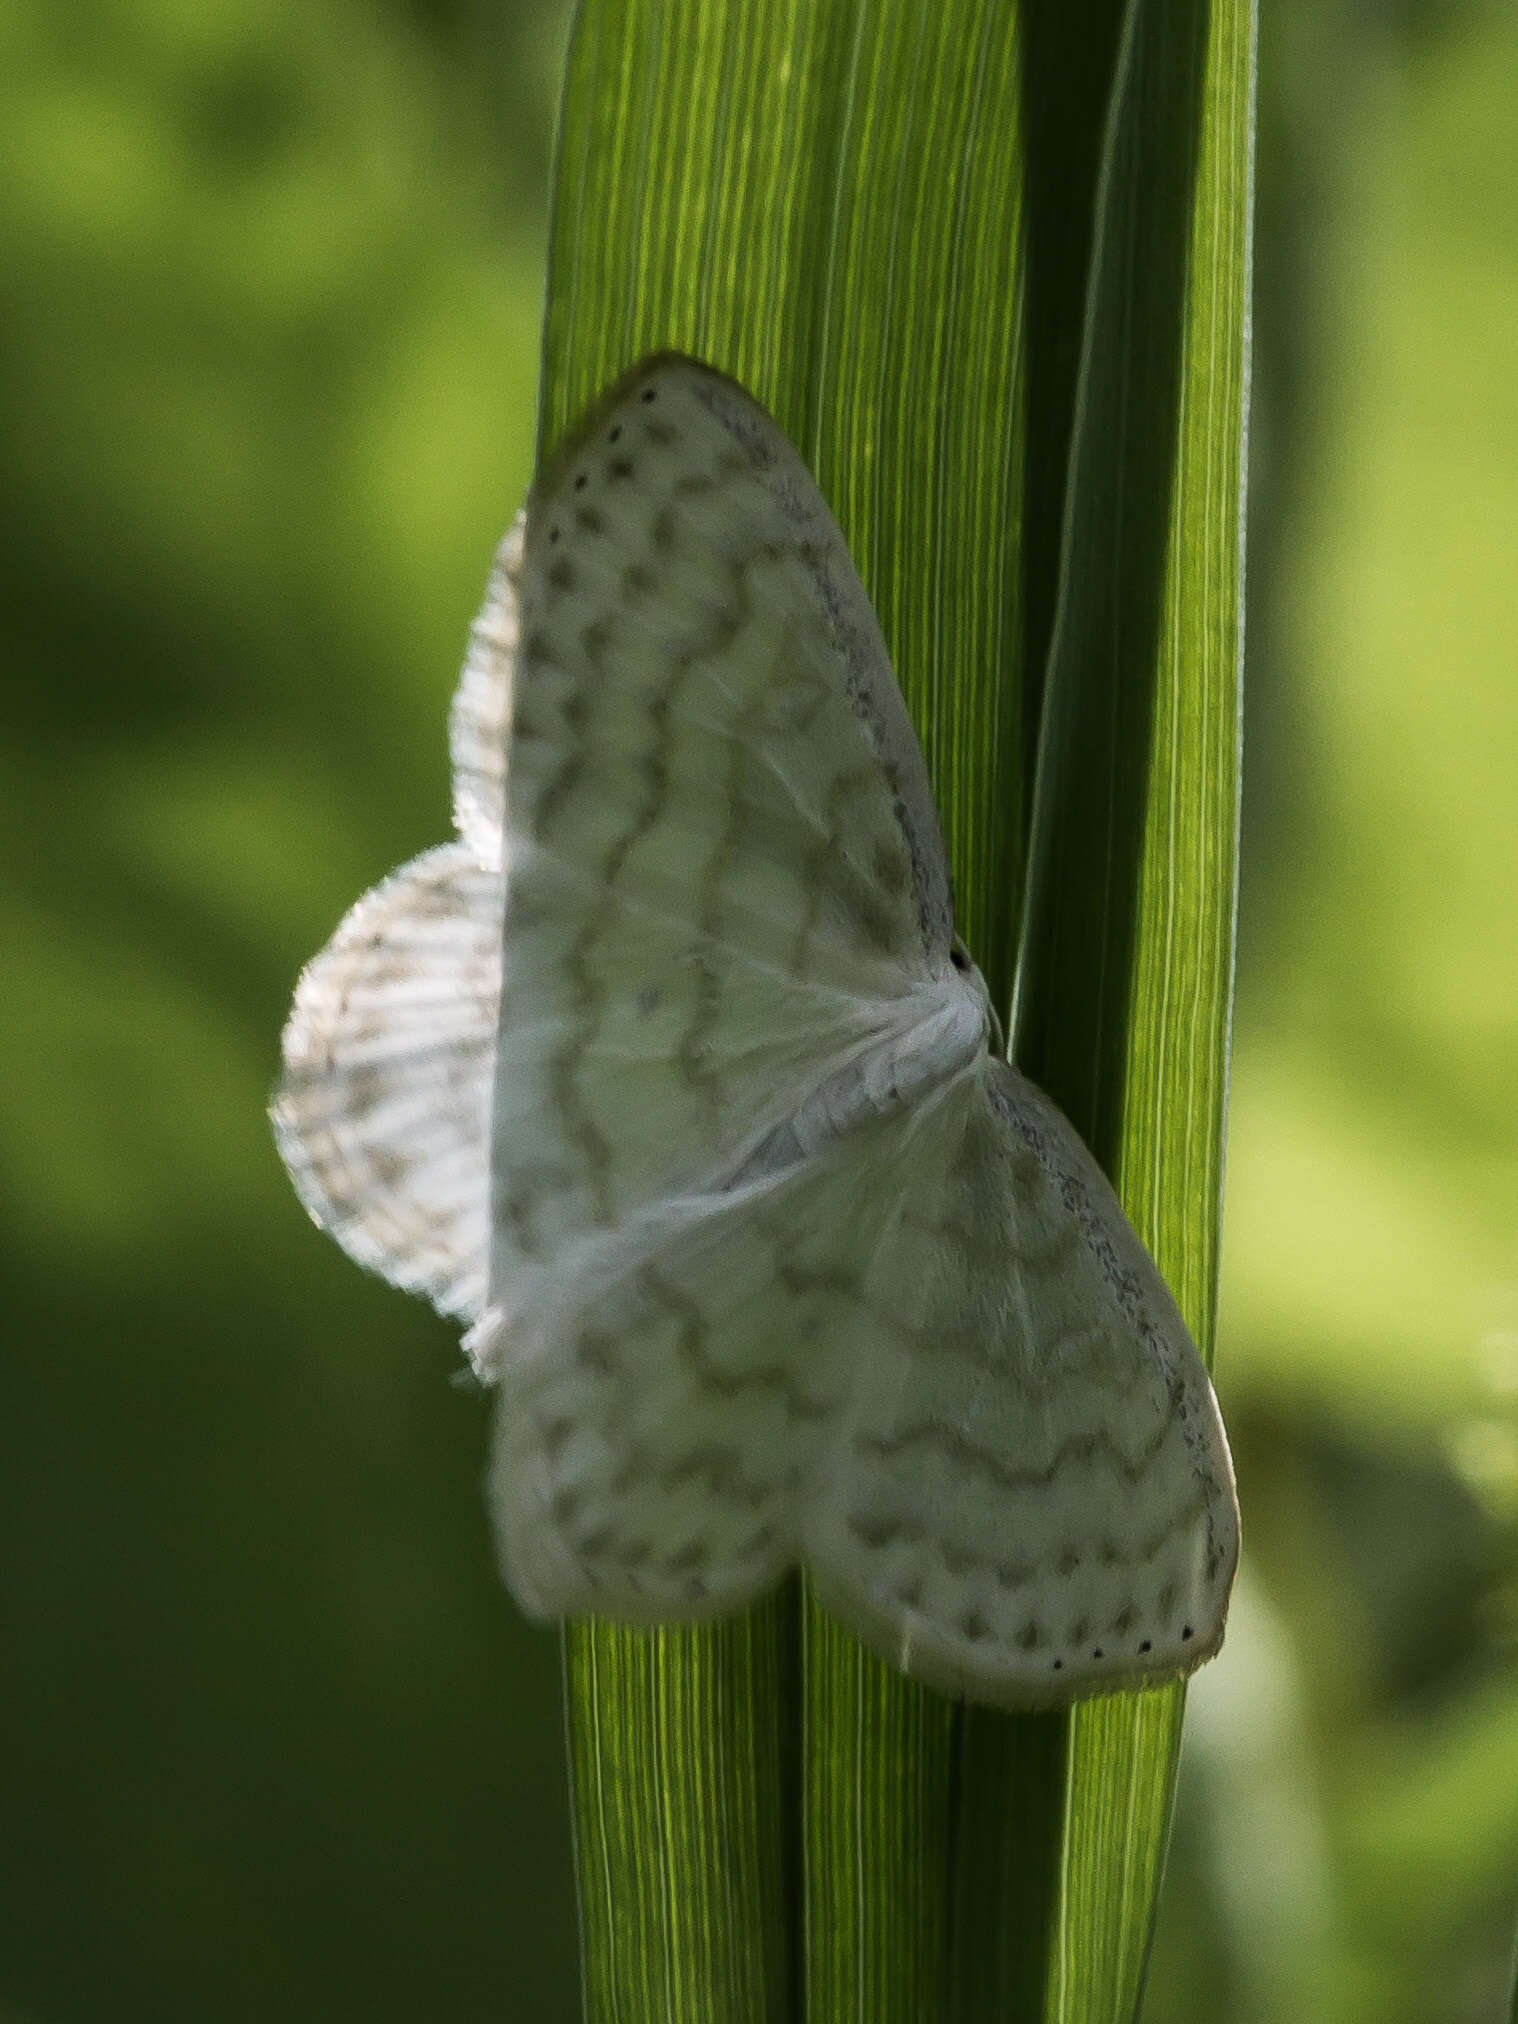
(481, 714)
(783, 1263)
(383, 1112)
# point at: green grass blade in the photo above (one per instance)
(1126, 980)
(683, 1763)
(919, 449)
(827, 200)
(824, 200)
(693, 205)
(693, 208)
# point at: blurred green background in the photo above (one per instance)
(276, 1744)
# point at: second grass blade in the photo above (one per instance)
(1125, 981)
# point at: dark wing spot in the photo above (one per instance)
(975, 1627)
(555, 1434)
(1186, 1633)
(613, 434)
(620, 467)
(594, 1352)
(1145, 1645)
(560, 575)
(890, 867)
(649, 394)
(580, 482)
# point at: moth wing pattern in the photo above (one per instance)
(1030, 1495)
(382, 1113)
(725, 874)
(932, 1364)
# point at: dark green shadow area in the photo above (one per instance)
(1094, 770)
(1085, 902)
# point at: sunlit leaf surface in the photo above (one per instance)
(841, 227)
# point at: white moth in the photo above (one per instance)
(771, 1255)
